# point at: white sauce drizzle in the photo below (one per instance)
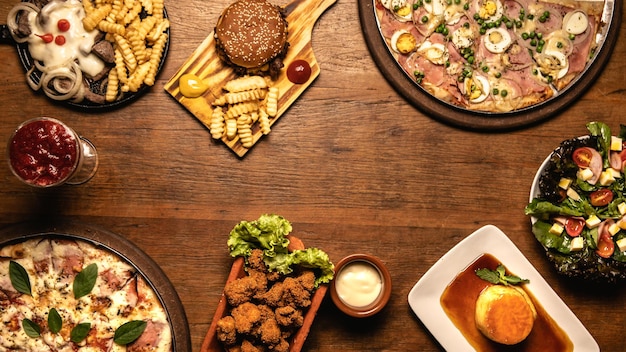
(78, 42)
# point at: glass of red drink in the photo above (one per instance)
(45, 152)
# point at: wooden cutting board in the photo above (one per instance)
(301, 15)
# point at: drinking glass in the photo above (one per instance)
(44, 152)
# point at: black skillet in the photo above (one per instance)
(87, 106)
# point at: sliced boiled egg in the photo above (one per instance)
(435, 53)
(497, 40)
(402, 9)
(386, 4)
(402, 41)
(490, 10)
(553, 63)
(575, 22)
(477, 88)
(463, 37)
(436, 7)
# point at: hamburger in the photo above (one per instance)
(251, 37)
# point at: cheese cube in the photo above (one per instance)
(615, 173)
(573, 194)
(606, 178)
(565, 182)
(621, 223)
(621, 244)
(622, 208)
(616, 143)
(556, 229)
(584, 174)
(614, 228)
(576, 244)
(593, 221)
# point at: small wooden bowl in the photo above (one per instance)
(212, 344)
(379, 303)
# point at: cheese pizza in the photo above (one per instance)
(491, 55)
(62, 294)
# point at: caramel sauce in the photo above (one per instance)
(459, 302)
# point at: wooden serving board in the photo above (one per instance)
(301, 15)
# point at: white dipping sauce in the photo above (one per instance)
(78, 42)
(358, 284)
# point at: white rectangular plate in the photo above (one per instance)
(424, 298)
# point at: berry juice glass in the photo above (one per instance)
(44, 152)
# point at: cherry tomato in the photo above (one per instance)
(47, 38)
(63, 25)
(60, 40)
(574, 226)
(582, 157)
(605, 245)
(299, 71)
(601, 197)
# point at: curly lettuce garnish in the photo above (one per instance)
(268, 233)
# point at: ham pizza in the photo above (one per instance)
(62, 294)
(491, 56)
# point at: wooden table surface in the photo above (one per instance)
(351, 165)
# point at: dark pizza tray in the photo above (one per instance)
(133, 255)
(484, 121)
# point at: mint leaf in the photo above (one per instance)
(31, 328)
(129, 332)
(85, 280)
(55, 322)
(499, 277)
(19, 278)
(80, 332)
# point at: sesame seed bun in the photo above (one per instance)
(250, 34)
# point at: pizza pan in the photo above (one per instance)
(27, 62)
(126, 250)
(485, 121)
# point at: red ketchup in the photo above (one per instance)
(43, 152)
(299, 71)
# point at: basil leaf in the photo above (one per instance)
(129, 332)
(80, 332)
(55, 322)
(19, 278)
(31, 328)
(85, 280)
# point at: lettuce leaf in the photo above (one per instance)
(268, 233)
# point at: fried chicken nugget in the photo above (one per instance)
(294, 293)
(269, 332)
(226, 331)
(247, 317)
(289, 317)
(248, 346)
(244, 289)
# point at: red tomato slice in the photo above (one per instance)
(574, 226)
(605, 245)
(582, 157)
(601, 197)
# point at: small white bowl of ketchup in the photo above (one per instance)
(362, 285)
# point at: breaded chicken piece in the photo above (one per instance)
(248, 346)
(274, 296)
(307, 280)
(256, 263)
(269, 332)
(289, 317)
(226, 331)
(244, 289)
(294, 293)
(281, 346)
(247, 316)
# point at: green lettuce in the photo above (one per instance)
(268, 233)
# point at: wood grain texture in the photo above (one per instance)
(204, 63)
(352, 164)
